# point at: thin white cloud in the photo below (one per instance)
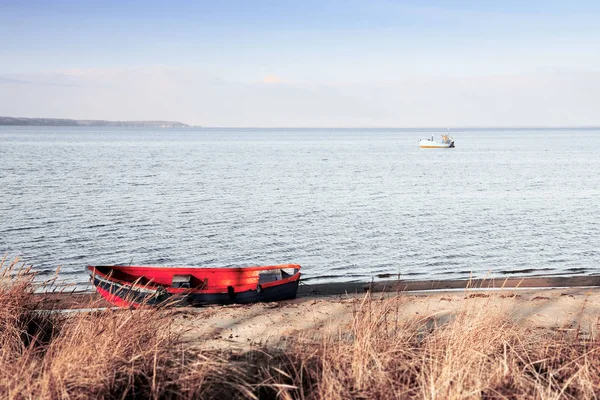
(550, 97)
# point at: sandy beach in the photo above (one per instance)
(557, 303)
(257, 325)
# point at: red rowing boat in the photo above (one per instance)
(134, 286)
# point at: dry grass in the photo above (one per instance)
(473, 354)
(140, 354)
(107, 354)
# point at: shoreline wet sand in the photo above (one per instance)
(82, 299)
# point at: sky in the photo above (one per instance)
(327, 63)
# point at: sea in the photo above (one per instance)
(346, 204)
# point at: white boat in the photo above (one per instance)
(446, 143)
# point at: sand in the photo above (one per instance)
(322, 309)
(242, 327)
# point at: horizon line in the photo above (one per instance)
(406, 127)
(434, 128)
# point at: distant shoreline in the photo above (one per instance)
(17, 121)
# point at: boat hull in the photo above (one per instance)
(134, 294)
(428, 144)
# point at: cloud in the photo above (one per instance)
(551, 97)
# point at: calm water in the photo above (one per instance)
(345, 204)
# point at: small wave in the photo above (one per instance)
(523, 271)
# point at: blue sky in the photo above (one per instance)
(298, 53)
